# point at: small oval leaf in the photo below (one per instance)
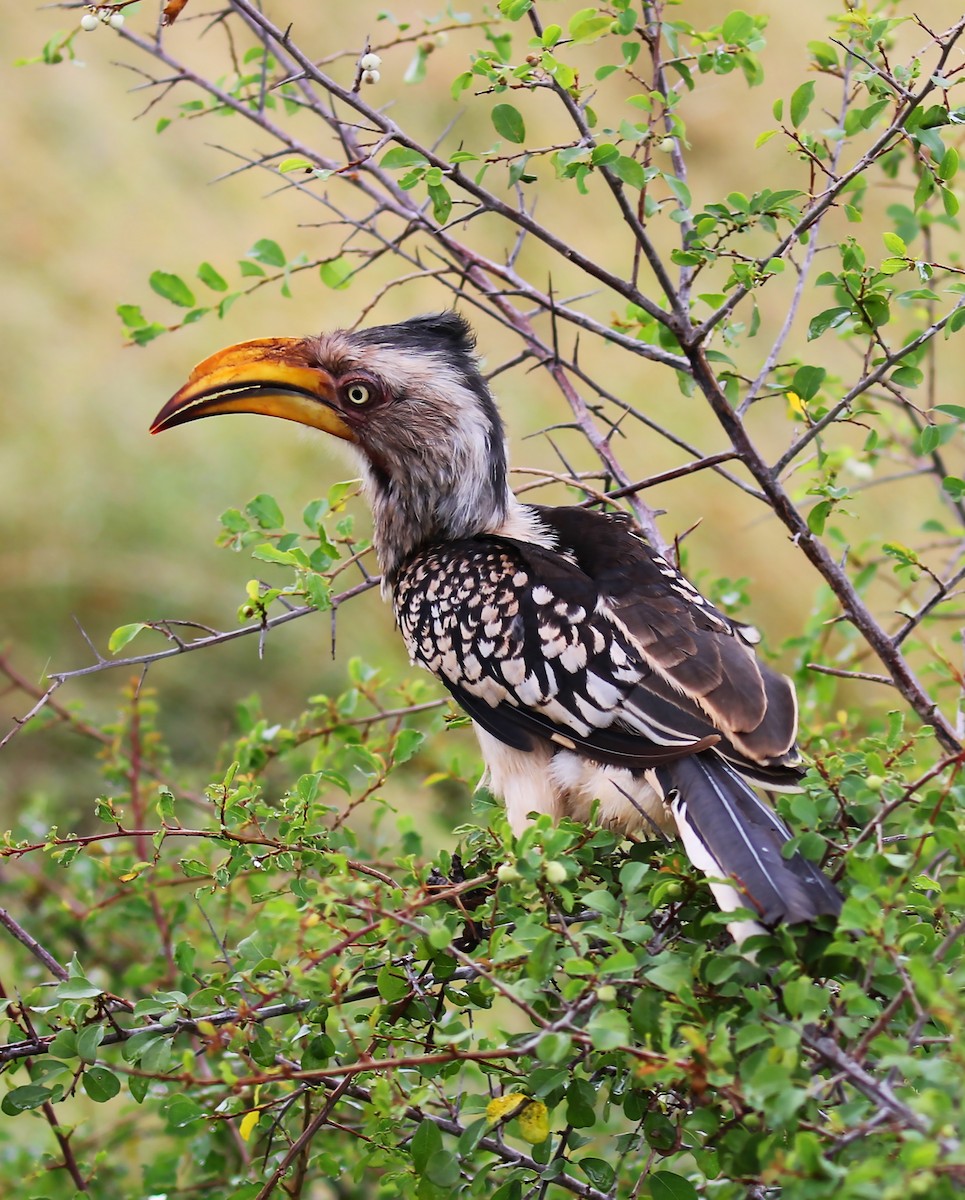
(509, 123)
(124, 634)
(173, 288)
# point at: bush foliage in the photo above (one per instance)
(263, 976)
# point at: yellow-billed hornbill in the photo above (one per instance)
(592, 669)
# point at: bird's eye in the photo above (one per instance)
(358, 394)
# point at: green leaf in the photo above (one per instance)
(924, 190)
(131, 315)
(181, 1110)
(407, 744)
(671, 974)
(141, 337)
(508, 122)
(264, 510)
(831, 318)
(554, 1048)
(28, 1095)
(194, 868)
(269, 552)
(609, 1029)
(603, 154)
(929, 439)
(824, 55)
(336, 273)
(268, 252)
(599, 1172)
(948, 166)
(514, 9)
(818, 516)
(442, 1169)
(401, 158)
(64, 1044)
(88, 1040)
(894, 244)
(801, 102)
(77, 988)
(632, 876)
(588, 24)
(460, 83)
(807, 381)
(124, 634)
(415, 72)
(441, 202)
(907, 377)
(679, 188)
(296, 163)
(392, 986)
(630, 171)
(211, 278)
(318, 1051)
(665, 1185)
(738, 26)
(426, 1142)
(101, 1084)
(173, 288)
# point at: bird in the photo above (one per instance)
(599, 680)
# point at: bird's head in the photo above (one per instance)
(410, 400)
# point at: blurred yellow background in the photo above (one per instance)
(105, 524)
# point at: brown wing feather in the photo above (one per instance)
(696, 649)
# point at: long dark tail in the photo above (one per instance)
(731, 834)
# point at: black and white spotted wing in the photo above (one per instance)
(597, 645)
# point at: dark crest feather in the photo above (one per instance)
(446, 333)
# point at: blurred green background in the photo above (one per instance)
(106, 525)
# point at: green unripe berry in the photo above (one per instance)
(553, 871)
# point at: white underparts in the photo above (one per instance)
(562, 783)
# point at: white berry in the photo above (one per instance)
(89, 22)
(370, 62)
(371, 77)
(116, 21)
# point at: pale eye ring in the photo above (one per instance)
(358, 394)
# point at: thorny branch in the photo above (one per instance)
(397, 223)
(361, 171)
